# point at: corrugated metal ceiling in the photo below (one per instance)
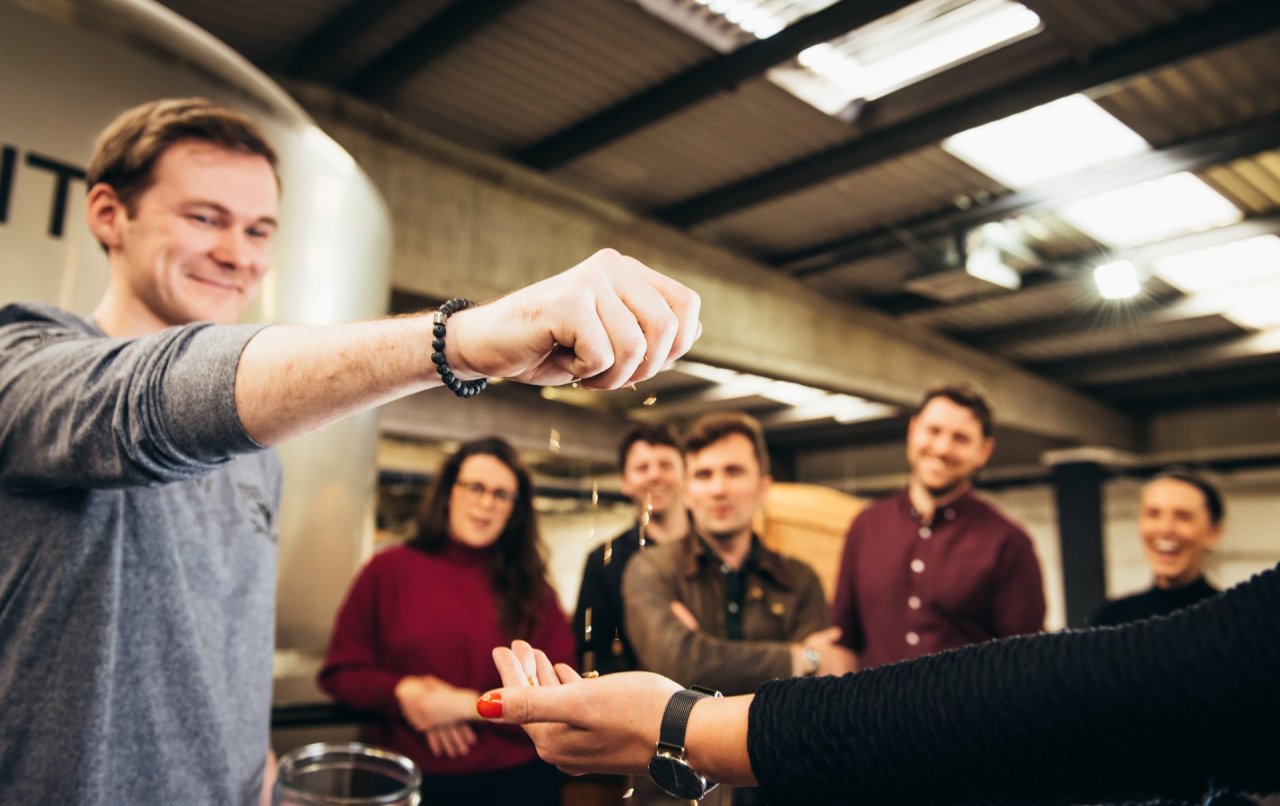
(752, 129)
(540, 67)
(545, 65)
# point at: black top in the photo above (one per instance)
(1162, 708)
(607, 649)
(1153, 602)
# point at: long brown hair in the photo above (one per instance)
(517, 571)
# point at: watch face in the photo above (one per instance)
(675, 778)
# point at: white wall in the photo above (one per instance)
(571, 535)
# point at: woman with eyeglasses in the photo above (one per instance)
(412, 641)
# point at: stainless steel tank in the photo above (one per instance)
(66, 69)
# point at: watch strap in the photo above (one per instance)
(675, 719)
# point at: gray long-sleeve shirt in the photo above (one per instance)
(137, 566)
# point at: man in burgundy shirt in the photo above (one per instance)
(935, 566)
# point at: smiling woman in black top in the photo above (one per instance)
(1179, 522)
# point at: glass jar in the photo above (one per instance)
(350, 774)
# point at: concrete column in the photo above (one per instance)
(1077, 490)
(1078, 475)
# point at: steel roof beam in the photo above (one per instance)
(1235, 142)
(352, 21)
(702, 81)
(425, 44)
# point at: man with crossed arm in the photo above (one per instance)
(719, 609)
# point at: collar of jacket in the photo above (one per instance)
(696, 555)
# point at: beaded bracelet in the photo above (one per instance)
(460, 387)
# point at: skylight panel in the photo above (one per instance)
(922, 40)
(1223, 266)
(1151, 211)
(899, 49)
(1046, 142)
(1261, 312)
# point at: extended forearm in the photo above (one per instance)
(609, 321)
(717, 740)
(294, 379)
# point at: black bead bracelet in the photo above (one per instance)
(460, 387)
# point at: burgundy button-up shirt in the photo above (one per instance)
(907, 588)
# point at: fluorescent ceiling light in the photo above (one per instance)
(806, 401)
(1049, 141)
(846, 409)
(1151, 211)
(793, 394)
(706, 371)
(1215, 267)
(1117, 280)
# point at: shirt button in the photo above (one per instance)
(913, 638)
(913, 602)
(925, 531)
(733, 607)
(949, 514)
(917, 566)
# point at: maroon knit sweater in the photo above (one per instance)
(412, 613)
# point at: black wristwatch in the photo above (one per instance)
(668, 768)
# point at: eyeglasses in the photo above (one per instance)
(478, 491)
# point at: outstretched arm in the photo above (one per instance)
(609, 321)
(611, 723)
(1163, 708)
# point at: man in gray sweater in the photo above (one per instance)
(138, 491)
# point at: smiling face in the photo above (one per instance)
(1176, 531)
(197, 243)
(481, 500)
(725, 487)
(946, 447)
(653, 475)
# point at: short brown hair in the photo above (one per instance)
(652, 433)
(962, 394)
(712, 428)
(126, 152)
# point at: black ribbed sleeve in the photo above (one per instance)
(1163, 708)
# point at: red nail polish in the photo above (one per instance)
(489, 705)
